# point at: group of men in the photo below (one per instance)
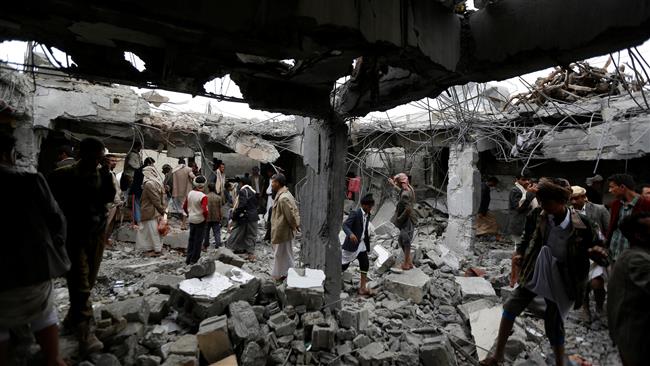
(568, 246)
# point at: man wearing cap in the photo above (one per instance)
(357, 241)
(521, 203)
(196, 208)
(599, 216)
(595, 189)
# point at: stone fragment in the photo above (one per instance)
(105, 359)
(383, 215)
(228, 361)
(133, 310)
(412, 284)
(204, 267)
(148, 360)
(473, 288)
(353, 317)
(253, 355)
(361, 341)
(310, 319)
(213, 339)
(227, 256)
(185, 346)
(159, 307)
(126, 234)
(243, 323)
(438, 351)
(178, 360)
(367, 355)
(165, 283)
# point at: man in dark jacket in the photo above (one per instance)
(357, 241)
(486, 222)
(629, 289)
(555, 265)
(82, 191)
(244, 217)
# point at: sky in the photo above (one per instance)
(14, 51)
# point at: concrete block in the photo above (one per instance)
(282, 325)
(473, 288)
(133, 310)
(305, 287)
(388, 229)
(178, 360)
(243, 323)
(485, 327)
(213, 339)
(158, 307)
(148, 360)
(125, 233)
(412, 284)
(354, 317)
(323, 337)
(438, 351)
(367, 355)
(185, 346)
(253, 355)
(227, 256)
(177, 239)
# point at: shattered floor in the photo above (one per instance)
(432, 315)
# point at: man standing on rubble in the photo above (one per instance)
(357, 241)
(521, 203)
(404, 217)
(486, 222)
(626, 202)
(554, 266)
(196, 208)
(114, 206)
(132, 162)
(599, 216)
(629, 288)
(83, 190)
(182, 178)
(285, 223)
(244, 217)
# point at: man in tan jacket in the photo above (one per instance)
(285, 222)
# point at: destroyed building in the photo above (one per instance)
(289, 58)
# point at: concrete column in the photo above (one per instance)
(321, 200)
(463, 195)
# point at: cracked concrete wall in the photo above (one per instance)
(463, 194)
(321, 204)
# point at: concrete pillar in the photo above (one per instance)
(463, 194)
(321, 200)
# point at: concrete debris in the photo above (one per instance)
(228, 361)
(203, 268)
(412, 284)
(305, 287)
(485, 327)
(475, 288)
(213, 339)
(242, 322)
(354, 317)
(438, 351)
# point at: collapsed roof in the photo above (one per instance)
(287, 56)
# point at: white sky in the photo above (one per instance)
(14, 51)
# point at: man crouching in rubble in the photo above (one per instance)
(83, 190)
(357, 241)
(555, 266)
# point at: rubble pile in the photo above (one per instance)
(228, 311)
(577, 81)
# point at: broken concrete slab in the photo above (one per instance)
(367, 355)
(385, 259)
(323, 336)
(227, 256)
(213, 339)
(384, 214)
(204, 267)
(242, 322)
(158, 307)
(305, 287)
(354, 317)
(412, 284)
(126, 234)
(133, 310)
(282, 325)
(186, 345)
(179, 360)
(485, 327)
(228, 361)
(253, 355)
(473, 288)
(164, 282)
(467, 308)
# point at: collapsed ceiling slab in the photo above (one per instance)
(405, 50)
